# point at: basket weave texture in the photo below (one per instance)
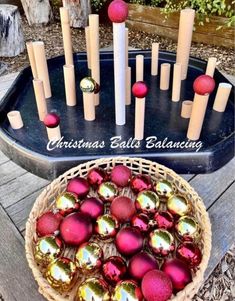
(46, 201)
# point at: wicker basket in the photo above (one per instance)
(46, 200)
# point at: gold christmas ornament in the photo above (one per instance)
(178, 205)
(147, 201)
(89, 257)
(161, 242)
(93, 289)
(127, 290)
(106, 226)
(188, 229)
(88, 85)
(164, 189)
(107, 191)
(66, 203)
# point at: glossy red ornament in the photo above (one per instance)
(140, 89)
(204, 84)
(79, 186)
(189, 253)
(76, 228)
(123, 208)
(140, 182)
(129, 241)
(140, 264)
(96, 176)
(114, 269)
(48, 223)
(92, 207)
(179, 273)
(156, 286)
(51, 120)
(141, 221)
(164, 220)
(118, 11)
(121, 175)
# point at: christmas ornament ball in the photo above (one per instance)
(156, 286)
(118, 11)
(92, 207)
(164, 188)
(189, 253)
(164, 219)
(204, 84)
(123, 208)
(178, 205)
(67, 203)
(107, 191)
(140, 182)
(48, 223)
(140, 264)
(140, 89)
(61, 274)
(179, 273)
(88, 85)
(114, 269)
(120, 175)
(79, 186)
(188, 229)
(93, 289)
(127, 290)
(106, 226)
(129, 241)
(51, 120)
(97, 176)
(147, 201)
(76, 228)
(161, 242)
(89, 257)
(141, 221)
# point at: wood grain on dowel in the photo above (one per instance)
(15, 120)
(128, 86)
(186, 109)
(66, 33)
(197, 116)
(184, 39)
(70, 86)
(222, 96)
(210, 68)
(139, 67)
(41, 65)
(139, 118)
(29, 46)
(176, 86)
(88, 47)
(40, 98)
(95, 52)
(89, 107)
(165, 76)
(54, 134)
(127, 46)
(154, 59)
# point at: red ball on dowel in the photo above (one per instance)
(204, 84)
(140, 89)
(51, 120)
(118, 11)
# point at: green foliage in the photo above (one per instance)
(97, 4)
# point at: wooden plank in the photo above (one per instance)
(223, 227)
(16, 281)
(3, 159)
(10, 171)
(19, 188)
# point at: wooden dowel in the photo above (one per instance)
(222, 96)
(88, 47)
(139, 118)
(176, 87)
(66, 33)
(70, 86)
(29, 46)
(210, 68)
(88, 104)
(154, 59)
(127, 46)
(40, 98)
(41, 65)
(186, 109)
(139, 67)
(54, 134)
(128, 86)
(165, 76)
(15, 120)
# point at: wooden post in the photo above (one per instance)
(66, 33)
(165, 76)
(139, 67)
(210, 68)
(154, 60)
(139, 118)
(222, 97)
(70, 86)
(15, 120)
(40, 98)
(88, 47)
(89, 108)
(31, 56)
(128, 86)
(186, 109)
(176, 83)
(54, 134)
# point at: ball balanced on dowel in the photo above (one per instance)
(204, 84)
(118, 11)
(140, 89)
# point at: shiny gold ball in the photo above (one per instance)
(66, 203)
(106, 226)
(93, 289)
(188, 229)
(161, 242)
(89, 257)
(164, 189)
(47, 249)
(147, 201)
(127, 290)
(178, 205)
(88, 85)
(61, 274)
(107, 191)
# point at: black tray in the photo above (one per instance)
(28, 146)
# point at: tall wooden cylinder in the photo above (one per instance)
(139, 67)
(139, 118)
(70, 86)
(29, 46)
(89, 107)
(210, 68)
(154, 59)
(40, 98)
(127, 46)
(165, 76)
(176, 86)
(222, 96)
(128, 86)
(88, 47)
(66, 33)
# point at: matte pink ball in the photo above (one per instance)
(121, 175)
(156, 286)
(118, 11)
(140, 264)
(123, 208)
(79, 186)
(48, 223)
(92, 207)
(51, 120)
(76, 229)
(179, 273)
(204, 84)
(140, 89)
(129, 241)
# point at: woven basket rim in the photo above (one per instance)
(50, 294)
